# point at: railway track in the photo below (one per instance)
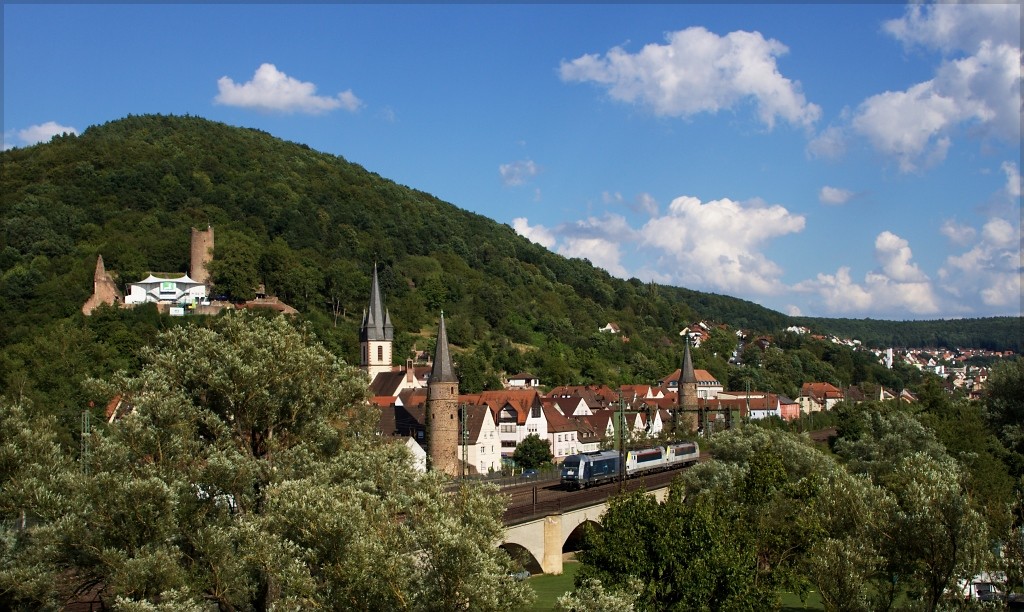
(534, 500)
(527, 502)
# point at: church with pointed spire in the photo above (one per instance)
(376, 334)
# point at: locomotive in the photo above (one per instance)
(593, 468)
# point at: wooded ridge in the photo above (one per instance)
(310, 226)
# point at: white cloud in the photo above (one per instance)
(980, 90)
(601, 252)
(990, 269)
(641, 203)
(999, 234)
(1013, 183)
(646, 204)
(829, 144)
(834, 195)
(898, 287)
(537, 233)
(35, 134)
(718, 244)
(609, 197)
(894, 254)
(957, 233)
(272, 90)
(698, 71)
(518, 172)
(950, 26)
(904, 124)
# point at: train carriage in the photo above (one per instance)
(588, 469)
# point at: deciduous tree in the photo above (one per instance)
(248, 475)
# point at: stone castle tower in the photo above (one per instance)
(201, 255)
(376, 334)
(442, 414)
(686, 407)
(104, 289)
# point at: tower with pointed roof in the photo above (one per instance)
(376, 334)
(686, 406)
(443, 409)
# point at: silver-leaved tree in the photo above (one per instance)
(245, 473)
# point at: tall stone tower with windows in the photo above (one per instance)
(376, 334)
(686, 407)
(443, 409)
(201, 254)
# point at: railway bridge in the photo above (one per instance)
(542, 523)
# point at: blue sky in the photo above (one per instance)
(824, 160)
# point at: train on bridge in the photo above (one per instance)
(598, 467)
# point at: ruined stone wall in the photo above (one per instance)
(104, 290)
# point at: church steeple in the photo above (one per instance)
(376, 333)
(376, 320)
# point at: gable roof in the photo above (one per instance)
(557, 422)
(522, 400)
(387, 383)
(703, 378)
(402, 421)
(820, 391)
(476, 417)
(596, 396)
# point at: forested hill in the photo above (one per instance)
(310, 226)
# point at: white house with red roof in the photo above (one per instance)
(818, 396)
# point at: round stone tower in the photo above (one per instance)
(443, 410)
(201, 255)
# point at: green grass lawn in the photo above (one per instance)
(550, 588)
(791, 602)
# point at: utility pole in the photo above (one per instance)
(465, 442)
(622, 443)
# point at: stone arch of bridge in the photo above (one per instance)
(574, 540)
(523, 556)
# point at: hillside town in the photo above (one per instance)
(483, 429)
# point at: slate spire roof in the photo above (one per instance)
(442, 370)
(376, 320)
(686, 374)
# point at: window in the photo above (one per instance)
(380, 352)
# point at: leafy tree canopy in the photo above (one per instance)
(245, 475)
(532, 452)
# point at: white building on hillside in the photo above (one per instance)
(182, 290)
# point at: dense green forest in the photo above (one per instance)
(310, 227)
